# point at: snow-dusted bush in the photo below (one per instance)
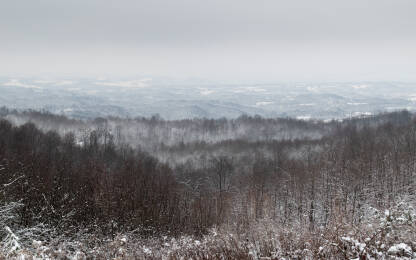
(391, 232)
(15, 237)
(381, 234)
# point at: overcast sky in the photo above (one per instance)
(214, 39)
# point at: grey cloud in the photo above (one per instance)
(182, 37)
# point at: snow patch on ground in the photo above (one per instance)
(400, 250)
(249, 89)
(362, 114)
(64, 83)
(356, 104)
(206, 92)
(362, 86)
(17, 83)
(141, 83)
(263, 103)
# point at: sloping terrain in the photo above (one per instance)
(90, 98)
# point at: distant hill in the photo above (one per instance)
(90, 98)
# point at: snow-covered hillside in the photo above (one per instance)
(179, 99)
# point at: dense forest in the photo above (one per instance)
(244, 188)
